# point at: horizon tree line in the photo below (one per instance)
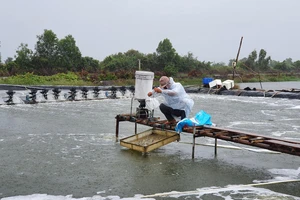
(53, 55)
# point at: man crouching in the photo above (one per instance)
(177, 102)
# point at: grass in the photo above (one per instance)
(72, 79)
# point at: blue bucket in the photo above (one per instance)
(206, 81)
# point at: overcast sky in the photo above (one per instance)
(209, 29)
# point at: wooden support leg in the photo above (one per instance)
(135, 128)
(216, 145)
(117, 129)
(194, 138)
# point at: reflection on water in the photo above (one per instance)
(63, 148)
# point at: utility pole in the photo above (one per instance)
(139, 64)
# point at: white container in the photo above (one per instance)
(215, 83)
(228, 84)
(143, 84)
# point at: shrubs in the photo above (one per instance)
(127, 78)
(3, 70)
(25, 79)
(69, 78)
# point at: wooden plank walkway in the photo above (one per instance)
(245, 138)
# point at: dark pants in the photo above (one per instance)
(170, 112)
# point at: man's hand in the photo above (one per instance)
(157, 90)
(149, 94)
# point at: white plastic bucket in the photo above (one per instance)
(216, 82)
(143, 84)
(228, 84)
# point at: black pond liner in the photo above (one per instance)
(246, 93)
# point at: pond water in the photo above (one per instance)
(67, 150)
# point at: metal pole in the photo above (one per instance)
(237, 57)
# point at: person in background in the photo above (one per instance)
(177, 102)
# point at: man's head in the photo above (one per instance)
(164, 82)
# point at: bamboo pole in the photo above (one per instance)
(237, 57)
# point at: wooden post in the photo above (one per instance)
(193, 149)
(139, 64)
(117, 128)
(216, 145)
(237, 57)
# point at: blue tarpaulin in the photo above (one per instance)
(201, 118)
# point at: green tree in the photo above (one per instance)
(3, 70)
(188, 63)
(46, 54)
(255, 63)
(297, 64)
(24, 58)
(167, 55)
(8, 60)
(289, 63)
(241, 63)
(69, 55)
(204, 65)
(133, 54)
(273, 63)
(282, 66)
(150, 62)
(11, 66)
(122, 61)
(219, 64)
(285, 65)
(131, 59)
(170, 70)
(90, 64)
(263, 62)
(250, 62)
(113, 63)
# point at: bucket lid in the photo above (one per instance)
(145, 75)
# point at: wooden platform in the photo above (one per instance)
(250, 139)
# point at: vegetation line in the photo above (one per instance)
(59, 61)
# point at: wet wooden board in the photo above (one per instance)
(149, 140)
(237, 136)
(283, 143)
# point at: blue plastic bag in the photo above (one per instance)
(201, 118)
